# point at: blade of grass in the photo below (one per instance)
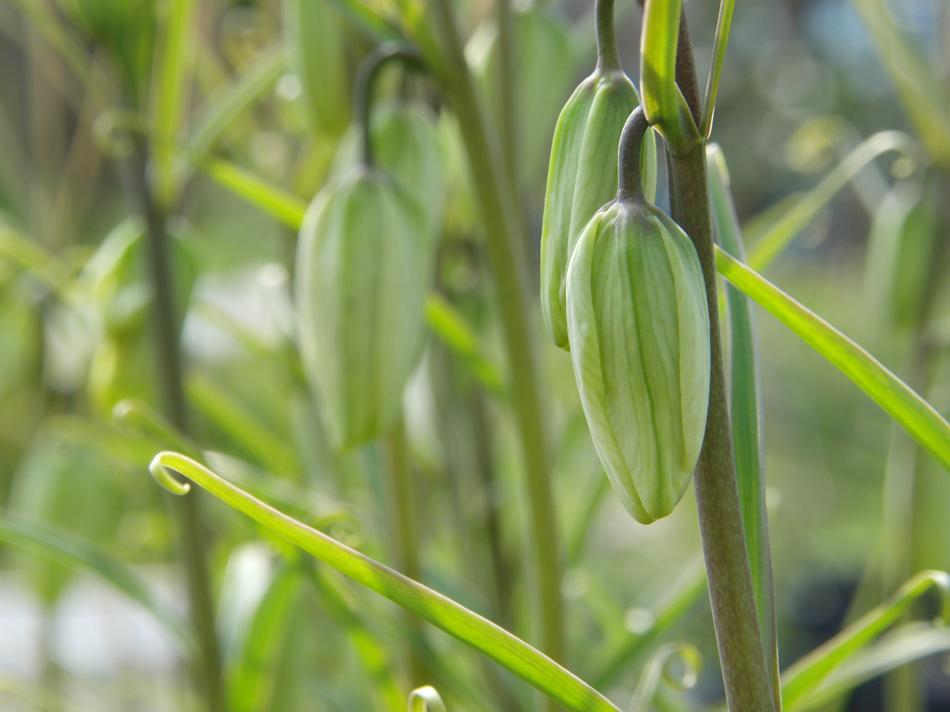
(451, 328)
(232, 418)
(656, 671)
(231, 101)
(252, 681)
(373, 656)
(922, 94)
(720, 44)
(680, 601)
(806, 674)
(918, 417)
(768, 242)
(904, 645)
(66, 548)
(282, 206)
(469, 627)
(746, 413)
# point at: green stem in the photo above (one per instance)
(629, 184)
(366, 81)
(608, 58)
(189, 520)
(405, 536)
(506, 258)
(507, 80)
(727, 563)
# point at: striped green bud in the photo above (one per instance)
(406, 145)
(364, 267)
(639, 331)
(582, 177)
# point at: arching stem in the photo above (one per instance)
(366, 82)
(629, 184)
(608, 57)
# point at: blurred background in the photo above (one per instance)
(854, 509)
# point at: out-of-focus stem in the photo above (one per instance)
(507, 262)
(405, 537)
(186, 510)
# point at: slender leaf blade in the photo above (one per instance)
(895, 397)
(808, 672)
(469, 627)
(746, 414)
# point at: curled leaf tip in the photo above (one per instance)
(425, 699)
(163, 475)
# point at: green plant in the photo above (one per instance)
(403, 402)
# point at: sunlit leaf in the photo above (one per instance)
(895, 397)
(806, 674)
(469, 627)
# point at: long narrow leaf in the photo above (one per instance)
(469, 627)
(721, 43)
(768, 243)
(923, 95)
(895, 397)
(67, 549)
(807, 673)
(904, 645)
(225, 107)
(657, 671)
(280, 205)
(675, 607)
(745, 408)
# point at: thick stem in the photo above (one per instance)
(727, 564)
(506, 258)
(608, 57)
(365, 83)
(186, 510)
(629, 183)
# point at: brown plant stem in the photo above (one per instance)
(507, 261)
(192, 533)
(731, 597)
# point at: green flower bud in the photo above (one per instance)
(363, 271)
(582, 176)
(639, 330)
(901, 245)
(406, 145)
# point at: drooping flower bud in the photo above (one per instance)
(406, 145)
(639, 330)
(582, 176)
(363, 272)
(582, 173)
